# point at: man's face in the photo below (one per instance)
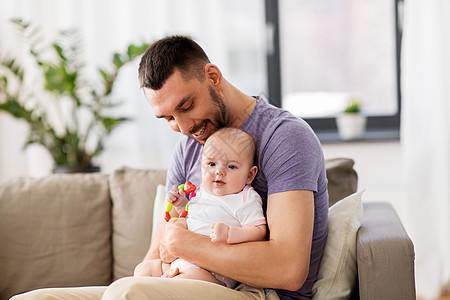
(191, 107)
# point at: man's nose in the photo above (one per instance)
(184, 126)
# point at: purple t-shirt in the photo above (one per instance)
(289, 157)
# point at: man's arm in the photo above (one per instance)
(282, 262)
(153, 251)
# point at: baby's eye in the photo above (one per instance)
(211, 164)
(232, 167)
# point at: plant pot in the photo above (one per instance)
(351, 126)
(68, 170)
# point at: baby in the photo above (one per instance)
(225, 207)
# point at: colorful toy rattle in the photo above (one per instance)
(188, 188)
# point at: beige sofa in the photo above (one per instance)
(91, 229)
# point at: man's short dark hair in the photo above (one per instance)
(163, 56)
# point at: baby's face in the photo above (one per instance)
(226, 167)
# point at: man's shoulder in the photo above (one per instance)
(272, 117)
(188, 144)
(273, 124)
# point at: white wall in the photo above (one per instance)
(379, 169)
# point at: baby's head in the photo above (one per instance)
(227, 161)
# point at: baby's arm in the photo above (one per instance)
(220, 232)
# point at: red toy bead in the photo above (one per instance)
(167, 217)
(189, 187)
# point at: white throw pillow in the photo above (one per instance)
(338, 269)
(159, 204)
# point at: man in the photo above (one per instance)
(184, 88)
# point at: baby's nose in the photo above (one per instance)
(219, 171)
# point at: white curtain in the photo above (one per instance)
(425, 139)
(108, 26)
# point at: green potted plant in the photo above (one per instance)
(351, 123)
(82, 111)
(353, 106)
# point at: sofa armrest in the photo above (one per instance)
(385, 255)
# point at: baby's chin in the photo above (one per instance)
(218, 191)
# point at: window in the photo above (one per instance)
(328, 51)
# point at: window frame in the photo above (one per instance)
(378, 127)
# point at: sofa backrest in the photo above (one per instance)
(342, 179)
(54, 231)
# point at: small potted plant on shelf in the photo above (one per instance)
(351, 123)
(66, 114)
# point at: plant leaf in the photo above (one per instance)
(134, 51)
(59, 51)
(109, 123)
(117, 60)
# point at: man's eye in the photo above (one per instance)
(184, 109)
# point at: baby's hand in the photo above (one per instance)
(173, 194)
(219, 232)
(177, 198)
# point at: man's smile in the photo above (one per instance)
(200, 132)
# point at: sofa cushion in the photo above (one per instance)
(337, 271)
(342, 178)
(54, 232)
(132, 192)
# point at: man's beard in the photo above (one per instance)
(221, 116)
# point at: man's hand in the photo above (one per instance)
(219, 232)
(172, 238)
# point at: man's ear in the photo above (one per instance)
(252, 174)
(214, 75)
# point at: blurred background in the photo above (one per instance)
(306, 56)
(109, 26)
